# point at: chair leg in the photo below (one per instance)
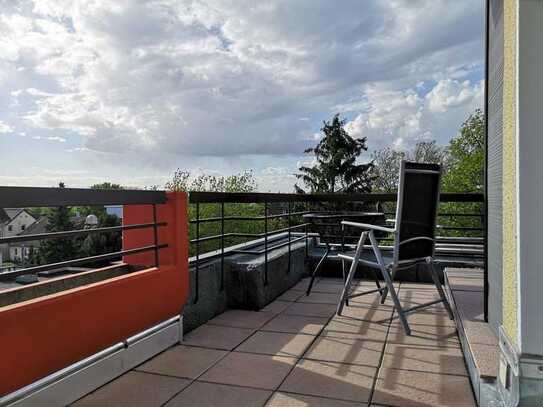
(347, 287)
(314, 274)
(383, 291)
(344, 279)
(439, 287)
(387, 275)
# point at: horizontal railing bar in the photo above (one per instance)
(208, 238)
(260, 252)
(259, 197)
(461, 214)
(459, 228)
(239, 234)
(261, 218)
(69, 233)
(23, 197)
(107, 256)
(246, 218)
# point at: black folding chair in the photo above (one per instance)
(414, 238)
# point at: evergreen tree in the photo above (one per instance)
(336, 169)
(56, 250)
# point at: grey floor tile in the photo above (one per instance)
(135, 389)
(217, 337)
(245, 369)
(328, 379)
(183, 361)
(200, 394)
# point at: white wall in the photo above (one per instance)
(23, 219)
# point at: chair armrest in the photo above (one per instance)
(368, 226)
(413, 239)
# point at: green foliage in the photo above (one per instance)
(336, 169)
(466, 157)
(387, 163)
(182, 180)
(101, 243)
(465, 173)
(462, 164)
(56, 250)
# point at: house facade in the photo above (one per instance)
(20, 252)
(13, 221)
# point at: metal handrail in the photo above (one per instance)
(77, 232)
(221, 198)
(26, 197)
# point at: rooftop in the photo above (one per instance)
(297, 352)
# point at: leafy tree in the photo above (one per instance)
(466, 157)
(465, 173)
(429, 152)
(100, 243)
(387, 162)
(386, 169)
(107, 185)
(336, 169)
(183, 181)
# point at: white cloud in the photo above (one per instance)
(228, 78)
(449, 93)
(141, 86)
(402, 117)
(52, 138)
(5, 128)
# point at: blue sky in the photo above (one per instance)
(127, 91)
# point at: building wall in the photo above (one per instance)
(530, 179)
(22, 220)
(495, 162)
(16, 253)
(509, 202)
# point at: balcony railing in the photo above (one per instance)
(263, 222)
(27, 197)
(92, 311)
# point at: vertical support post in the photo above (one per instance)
(197, 274)
(222, 246)
(485, 166)
(343, 251)
(289, 237)
(306, 206)
(265, 243)
(155, 234)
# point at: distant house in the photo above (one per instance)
(21, 251)
(13, 221)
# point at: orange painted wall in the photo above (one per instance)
(41, 336)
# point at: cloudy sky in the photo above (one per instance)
(129, 90)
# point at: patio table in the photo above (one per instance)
(331, 219)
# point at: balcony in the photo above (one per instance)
(205, 304)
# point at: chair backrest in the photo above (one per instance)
(416, 211)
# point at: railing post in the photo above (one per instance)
(222, 246)
(155, 233)
(306, 206)
(289, 236)
(266, 243)
(197, 272)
